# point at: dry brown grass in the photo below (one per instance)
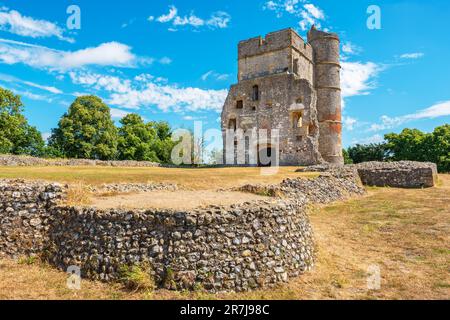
(197, 179)
(404, 232)
(78, 194)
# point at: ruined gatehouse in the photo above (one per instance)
(291, 85)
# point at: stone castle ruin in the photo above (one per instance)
(291, 85)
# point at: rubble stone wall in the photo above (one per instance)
(25, 216)
(27, 161)
(234, 248)
(403, 174)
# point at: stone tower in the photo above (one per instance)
(327, 83)
(288, 85)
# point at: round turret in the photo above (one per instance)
(328, 86)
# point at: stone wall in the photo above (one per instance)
(27, 161)
(25, 216)
(403, 174)
(233, 248)
(236, 248)
(331, 185)
(281, 96)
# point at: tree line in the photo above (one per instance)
(85, 131)
(410, 144)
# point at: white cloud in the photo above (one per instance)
(441, 109)
(350, 48)
(415, 55)
(217, 20)
(190, 20)
(357, 78)
(214, 75)
(349, 123)
(31, 95)
(107, 54)
(170, 16)
(12, 79)
(118, 114)
(314, 11)
(46, 88)
(147, 91)
(14, 22)
(101, 82)
(308, 13)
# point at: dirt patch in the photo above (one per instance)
(179, 200)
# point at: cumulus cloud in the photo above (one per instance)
(308, 13)
(147, 91)
(357, 78)
(14, 22)
(106, 54)
(217, 20)
(441, 109)
(117, 113)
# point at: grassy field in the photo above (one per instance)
(406, 233)
(197, 179)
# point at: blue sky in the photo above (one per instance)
(175, 60)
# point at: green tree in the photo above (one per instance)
(347, 159)
(410, 144)
(370, 152)
(440, 139)
(86, 131)
(164, 144)
(137, 139)
(16, 135)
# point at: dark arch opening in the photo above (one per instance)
(255, 93)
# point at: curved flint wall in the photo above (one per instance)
(235, 248)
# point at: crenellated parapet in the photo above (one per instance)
(279, 40)
(278, 52)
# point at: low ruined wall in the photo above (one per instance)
(25, 212)
(218, 248)
(27, 161)
(403, 174)
(237, 248)
(336, 184)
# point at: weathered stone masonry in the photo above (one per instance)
(220, 248)
(291, 85)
